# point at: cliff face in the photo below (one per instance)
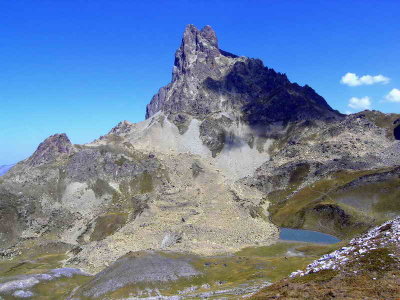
(207, 80)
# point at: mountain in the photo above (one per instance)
(207, 80)
(229, 152)
(4, 169)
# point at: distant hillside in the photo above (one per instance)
(4, 169)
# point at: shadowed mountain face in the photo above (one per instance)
(207, 80)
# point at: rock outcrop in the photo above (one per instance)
(54, 147)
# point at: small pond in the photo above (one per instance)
(301, 235)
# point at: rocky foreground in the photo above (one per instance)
(367, 268)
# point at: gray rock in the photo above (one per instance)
(138, 267)
(54, 147)
(23, 294)
(170, 239)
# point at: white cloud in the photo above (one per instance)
(393, 96)
(351, 79)
(360, 103)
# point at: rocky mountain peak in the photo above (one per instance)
(122, 127)
(207, 80)
(209, 34)
(204, 38)
(55, 146)
(196, 45)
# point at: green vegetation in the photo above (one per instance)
(377, 261)
(101, 187)
(373, 275)
(130, 154)
(299, 174)
(278, 249)
(253, 265)
(133, 194)
(54, 289)
(107, 224)
(31, 264)
(146, 183)
(59, 288)
(250, 266)
(140, 184)
(328, 205)
(114, 138)
(282, 141)
(380, 198)
(385, 121)
(121, 161)
(323, 275)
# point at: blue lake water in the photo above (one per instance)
(300, 235)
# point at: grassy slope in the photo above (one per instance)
(327, 207)
(374, 276)
(37, 263)
(250, 266)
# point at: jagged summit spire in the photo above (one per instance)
(208, 33)
(196, 44)
(196, 36)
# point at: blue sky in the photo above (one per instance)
(80, 67)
